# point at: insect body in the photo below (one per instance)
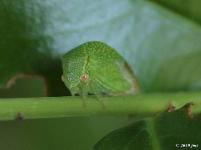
(96, 68)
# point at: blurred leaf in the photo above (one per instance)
(25, 87)
(162, 132)
(188, 8)
(72, 133)
(163, 48)
(24, 47)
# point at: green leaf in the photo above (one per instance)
(57, 133)
(24, 46)
(25, 87)
(167, 131)
(159, 44)
(190, 9)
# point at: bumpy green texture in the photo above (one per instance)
(167, 131)
(96, 68)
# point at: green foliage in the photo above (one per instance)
(168, 130)
(160, 39)
(190, 9)
(74, 133)
(155, 41)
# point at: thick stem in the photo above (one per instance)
(140, 105)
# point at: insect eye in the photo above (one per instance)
(84, 77)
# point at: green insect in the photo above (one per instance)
(96, 68)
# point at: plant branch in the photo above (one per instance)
(140, 105)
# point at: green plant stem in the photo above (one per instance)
(140, 105)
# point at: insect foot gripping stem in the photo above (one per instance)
(94, 67)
